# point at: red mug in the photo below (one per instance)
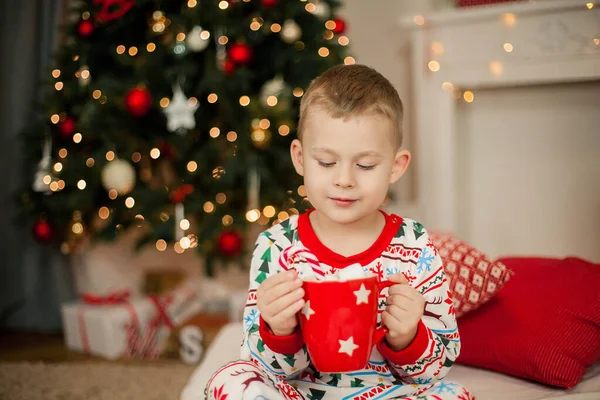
(339, 321)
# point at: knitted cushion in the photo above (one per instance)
(544, 325)
(474, 278)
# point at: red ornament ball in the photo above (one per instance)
(85, 28)
(138, 102)
(240, 53)
(67, 127)
(43, 232)
(340, 26)
(187, 189)
(269, 3)
(178, 195)
(230, 243)
(229, 67)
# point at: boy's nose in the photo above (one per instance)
(344, 179)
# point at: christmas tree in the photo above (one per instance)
(174, 118)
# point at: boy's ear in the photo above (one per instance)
(296, 153)
(401, 162)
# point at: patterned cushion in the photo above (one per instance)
(544, 325)
(474, 278)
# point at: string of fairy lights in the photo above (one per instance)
(496, 68)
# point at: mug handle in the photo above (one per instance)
(381, 331)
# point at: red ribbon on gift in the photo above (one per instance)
(161, 303)
(117, 297)
(142, 343)
(114, 298)
(149, 342)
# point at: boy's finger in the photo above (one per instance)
(398, 311)
(279, 278)
(402, 289)
(398, 278)
(390, 322)
(292, 309)
(400, 299)
(270, 294)
(281, 303)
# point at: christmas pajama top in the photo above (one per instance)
(403, 246)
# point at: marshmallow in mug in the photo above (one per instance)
(354, 271)
(305, 272)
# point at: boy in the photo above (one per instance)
(348, 151)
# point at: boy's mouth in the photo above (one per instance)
(342, 201)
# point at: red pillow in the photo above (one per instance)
(544, 325)
(474, 278)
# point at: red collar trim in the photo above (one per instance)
(309, 239)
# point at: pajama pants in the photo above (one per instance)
(244, 380)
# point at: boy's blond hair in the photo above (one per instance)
(349, 90)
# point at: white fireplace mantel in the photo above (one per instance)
(553, 41)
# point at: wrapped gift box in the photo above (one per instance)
(117, 326)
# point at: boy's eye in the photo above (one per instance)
(366, 167)
(326, 164)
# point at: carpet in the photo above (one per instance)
(92, 381)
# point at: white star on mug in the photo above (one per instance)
(362, 295)
(348, 346)
(307, 311)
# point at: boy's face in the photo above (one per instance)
(348, 164)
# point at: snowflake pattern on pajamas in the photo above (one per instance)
(250, 319)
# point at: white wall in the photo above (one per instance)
(529, 170)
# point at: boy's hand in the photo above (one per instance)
(405, 306)
(279, 298)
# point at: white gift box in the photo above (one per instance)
(123, 327)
